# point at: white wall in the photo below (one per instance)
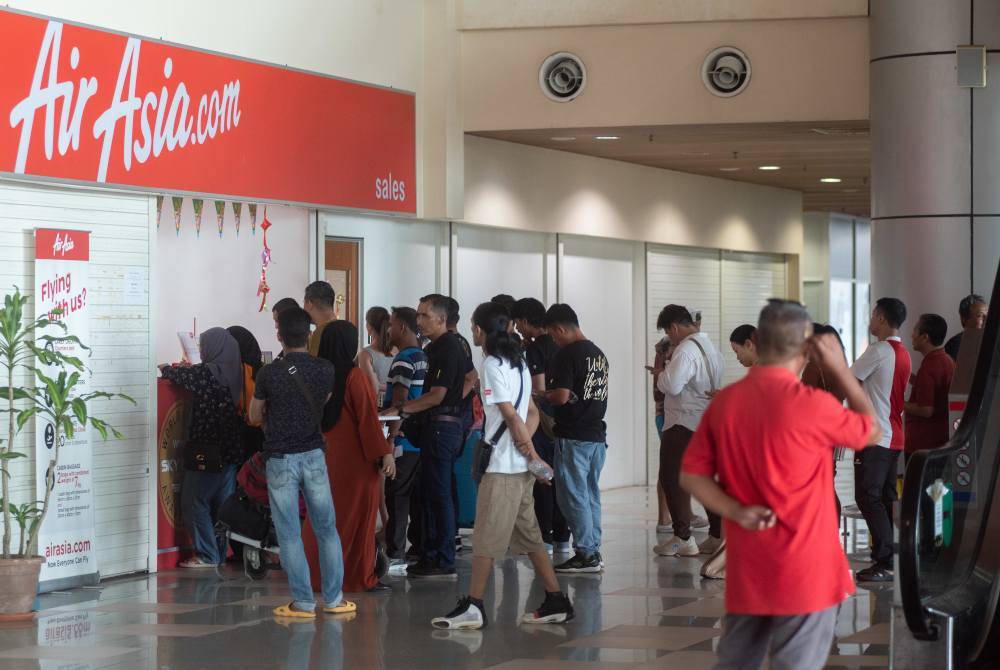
(374, 42)
(402, 259)
(598, 280)
(490, 261)
(215, 279)
(517, 186)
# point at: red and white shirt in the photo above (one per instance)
(770, 439)
(884, 371)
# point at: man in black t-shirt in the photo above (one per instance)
(289, 399)
(441, 408)
(578, 390)
(539, 350)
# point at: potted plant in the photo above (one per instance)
(58, 400)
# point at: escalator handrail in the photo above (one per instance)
(909, 564)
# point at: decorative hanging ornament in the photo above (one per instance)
(177, 202)
(252, 208)
(220, 214)
(159, 210)
(199, 205)
(237, 210)
(265, 259)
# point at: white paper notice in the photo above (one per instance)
(189, 344)
(134, 288)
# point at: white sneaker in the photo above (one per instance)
(699, 522)
(465, 616)
(710, 546)
(663, 529)
(675, 546)
(397, 567)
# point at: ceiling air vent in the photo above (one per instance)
(726, 72)
(562, 76)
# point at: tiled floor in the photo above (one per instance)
(641, 613)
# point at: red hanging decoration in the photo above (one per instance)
(265, 259)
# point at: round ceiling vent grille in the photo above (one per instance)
(562, 76)
(726, 72)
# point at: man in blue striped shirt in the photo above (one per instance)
(406, 382)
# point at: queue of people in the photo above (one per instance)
(346, 433)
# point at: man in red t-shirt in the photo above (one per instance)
(769, 440)
(927, 410)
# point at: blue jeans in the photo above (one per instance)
(578, 468)
(287, 474)
(202, 493)
(440, 445)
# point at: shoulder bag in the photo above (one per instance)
(484, 448)
(708, 365)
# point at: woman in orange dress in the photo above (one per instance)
(357, 452)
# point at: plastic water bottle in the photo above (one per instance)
(541, 469)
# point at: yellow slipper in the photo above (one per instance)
(287, 611)
(345, 607)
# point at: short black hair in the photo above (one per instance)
(407, 316)
(743, 333)
(934, 327)
(283, 304)
(507, 301)
(561, 314)
(968, 302)
(781, 329)
(293, 327)
(321, 293)
(439, 303)
(672, 314)
(892, 310)
(531, 310)
(453, 315)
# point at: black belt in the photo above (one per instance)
(447, 418)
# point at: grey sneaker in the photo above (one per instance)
(397, 567)
(465, 616)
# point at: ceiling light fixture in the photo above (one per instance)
(769, 168)
(607, 137)
(728, 169)
(830, 180)
(562, 138)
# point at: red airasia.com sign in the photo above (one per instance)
(87, 105)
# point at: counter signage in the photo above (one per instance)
(86, 105)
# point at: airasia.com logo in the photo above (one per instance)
(149, 123)
(63, 245)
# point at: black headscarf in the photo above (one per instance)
(339, 345)
(249, 349)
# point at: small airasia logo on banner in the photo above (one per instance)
(87, 105)
(66, 540)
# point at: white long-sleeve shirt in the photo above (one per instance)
(686, 381)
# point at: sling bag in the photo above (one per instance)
(484, 448)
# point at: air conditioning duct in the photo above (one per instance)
(726, 72)
(562, 76)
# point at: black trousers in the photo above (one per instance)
(875, 492)
(402, 500)
(673, 444)
(551, 521)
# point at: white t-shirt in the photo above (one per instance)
(875, 369)
(500, 383)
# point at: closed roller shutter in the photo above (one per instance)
(689, 277)
(748, 281)
(120, 340)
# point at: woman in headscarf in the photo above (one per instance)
(215, 384)
(356, 452)
(250, 357)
